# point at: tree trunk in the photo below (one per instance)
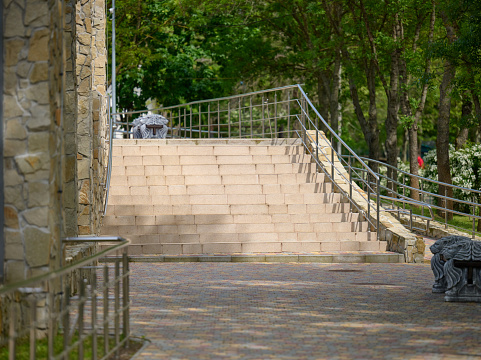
(323, 96)
(477, 109)
(405, 146)
(369, 130)
(442, 140)
(334, 103)
(466, 111)
(373, 129)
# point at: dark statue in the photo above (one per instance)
(456, 265)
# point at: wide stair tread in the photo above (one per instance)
(221, 197)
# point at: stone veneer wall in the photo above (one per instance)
(35, 152)
(92, 113)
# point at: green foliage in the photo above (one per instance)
(465, 170)
(175, 51)
(159, 56)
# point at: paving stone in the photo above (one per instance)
(297, 311)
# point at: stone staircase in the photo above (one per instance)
(227, 196)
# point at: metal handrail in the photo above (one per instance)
(109, 161)
(331, 175)
(50, 295)
(419, 177)
(210, 100)
(231, 117)
(412, 202)
(123, 243)
(424, 192)
(335, 135)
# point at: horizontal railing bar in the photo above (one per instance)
(334, 134)
(420, 177)
(92, 239)
(64, 270)
(410, 201)
(213, 100)
(424, 192)
(401, 196)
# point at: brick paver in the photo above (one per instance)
(298, 311)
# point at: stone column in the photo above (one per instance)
(92, 105)
(70, 192)
(33, 136)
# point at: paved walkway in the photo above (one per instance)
(298, 311)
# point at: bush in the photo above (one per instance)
(465, 166)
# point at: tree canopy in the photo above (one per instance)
(389, 75)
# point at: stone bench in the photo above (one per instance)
(456, 264)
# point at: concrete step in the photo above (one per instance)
(229, 199)
(240, 232)
(319, 220)
(181, 160)
(302, 210)
(208, 197)
(213, 169)
(229, 189)
(239, 179)
(288, 257)
(258, 247)
(149, 225)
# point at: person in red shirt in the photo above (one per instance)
(420, 162)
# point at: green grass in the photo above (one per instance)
(23, 348)
(464, 223)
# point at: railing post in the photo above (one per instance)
(332, 158)
(178, 125)
(50, 305)
(185, 122)
(410, 219)
(303, 118)
(350, 181)
(317, 151)
(81, 307)
(421, 195)
(209, 121)
(218, 119)
(240, 119)
(474, 214)
(66, 319)
(33, 315)
(445, 207)
(93, 300)
(288, 113)
(275, 115)
(106, 310)
(368, 200)
(228, 119)
(125, 297)
(262, 118)
(200, 122)
(378, 205)
(117, 306)
(250, 116)
(191, 122)
(12, 355)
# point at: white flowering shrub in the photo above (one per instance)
(401, 177)
(465, 171)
